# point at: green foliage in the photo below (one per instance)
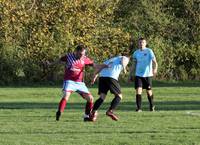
(172, 30)
(9, 64)
(32, 32)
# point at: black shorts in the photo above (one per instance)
(107, 83)
(143, 82)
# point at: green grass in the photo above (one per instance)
(27, 117)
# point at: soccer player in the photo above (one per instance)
(108, 80)
(145, 67)
(73, 78)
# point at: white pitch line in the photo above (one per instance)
(193, 113)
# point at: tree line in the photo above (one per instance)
(34, 31)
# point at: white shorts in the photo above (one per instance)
(72, 86)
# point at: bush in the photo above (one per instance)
(32, 33)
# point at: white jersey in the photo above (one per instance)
(114, 69)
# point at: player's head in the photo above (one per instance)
(80, 50)
(125, 61)
(142, 43)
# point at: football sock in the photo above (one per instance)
(88, 107)
(139, 101)
(115, 102)
(97, 104)
(150, 98)
(62, 104)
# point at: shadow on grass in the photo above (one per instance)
(123, 83)
(80, 132)
(167, 84)
(125, 106)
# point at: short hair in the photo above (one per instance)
(126, 53)
(142, 38)
(80, 47)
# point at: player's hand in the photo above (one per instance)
(94, 79)
(92, 82)
(154, 72)
(131, 79)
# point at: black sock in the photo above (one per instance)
(139, 101)
(97, 104)
(115, 102)
(150, 98)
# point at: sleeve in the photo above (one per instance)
(134, 56)
(152, 56)
(88, 61)
(64, 58)
(108, 61)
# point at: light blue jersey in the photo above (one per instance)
(143, 60)
(114, 69)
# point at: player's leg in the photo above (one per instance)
(115, 89)
(68, 88)
(138, 89)
(150, 97)
(84, 92)
(139, 99)
(102, 91)
(99, 102)
(62, 104)
(148, 87)
(89, 104)
(91, 110)
(115, 102)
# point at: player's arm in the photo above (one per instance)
(154, 63)
(57, 61)
(132, 71)
(155, 66)
(124, 62)
(98, 68)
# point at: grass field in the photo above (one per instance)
(27, 117)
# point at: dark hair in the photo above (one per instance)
(141, 38)
(80, 47)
